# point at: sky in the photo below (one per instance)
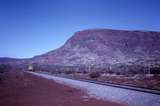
(34, 27)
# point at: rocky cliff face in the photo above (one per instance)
(102, 47)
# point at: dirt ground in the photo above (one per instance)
(23, 89)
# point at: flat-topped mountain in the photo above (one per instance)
(103, 47)
(100, 47)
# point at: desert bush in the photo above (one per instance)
(82, 72)
(69, 72)
(4, 68)
(118, 73)
(155, 70)
(110, 72)
(94, 75)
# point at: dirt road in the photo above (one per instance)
(23, 89)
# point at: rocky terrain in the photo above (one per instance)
(103, 49)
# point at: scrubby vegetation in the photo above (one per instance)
(94, 74)
(4, 67)
(69, 72)
(117, 69)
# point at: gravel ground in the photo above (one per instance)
(123, 96)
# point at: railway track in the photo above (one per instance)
(157, 92)
(140, 89)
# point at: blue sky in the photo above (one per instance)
(33, 27)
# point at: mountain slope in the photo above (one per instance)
(13, 61)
